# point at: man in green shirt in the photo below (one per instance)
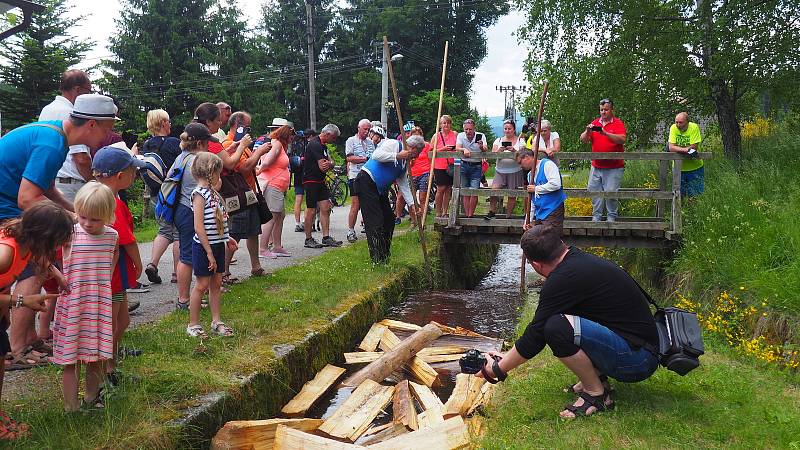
(684, 137)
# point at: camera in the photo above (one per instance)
(472, 362)
(597, 128)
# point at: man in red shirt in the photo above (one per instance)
(606, 134)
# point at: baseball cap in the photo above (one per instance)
(94, 107)
(110, 160)
(198, 132)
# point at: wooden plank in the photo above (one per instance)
(355, 415)
(372, 338)
(312, 391)
(467, 389)
(403, 411)
(663, 185)
(445, 349)
(621, 194)
(433, 407)
(419, 369)
(616, 225)
(485, 396)
(455, 200)
(399, 355)
(398, 325)
(382, 433)
(432, 359)
(389, 341)
(289, 439)
(368, 357)
(251, 434)
(449, 435)
(564, 155)
(677, 227)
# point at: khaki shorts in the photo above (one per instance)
(274, 197)
(508, 180)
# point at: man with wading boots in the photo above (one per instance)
(387, 165)
(592, 314)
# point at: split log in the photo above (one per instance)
(467, 389)
(312, 391)
(257, 434)
(403, 406)
(389, 341)
(382, 433)
(431, 359)
(361, 357)
(459, 331)
(398, 356)
(487, 390)
(289, 439)
(373, 338)
(449, 435)
(398, 325)
(429, 355)
(354, 416)
(433, 413)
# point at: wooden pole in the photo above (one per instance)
(408, 165)
(529, 205)
(436, 134)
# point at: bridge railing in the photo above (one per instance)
(666, 222)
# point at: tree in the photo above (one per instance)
(35, 60)
(657, 58)
(424, 106)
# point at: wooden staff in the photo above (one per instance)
(529, 204)
(408, 165)
(436, 134)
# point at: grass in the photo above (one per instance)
(175, 369)
(728, 402)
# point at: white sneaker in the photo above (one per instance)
(351, 236)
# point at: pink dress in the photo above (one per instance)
(82, 328)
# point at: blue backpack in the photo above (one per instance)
(170, 193)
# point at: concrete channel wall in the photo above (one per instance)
(262, 395)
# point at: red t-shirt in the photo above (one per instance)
(422, 163)
(443, 141)
(123, 224)
(601, 143)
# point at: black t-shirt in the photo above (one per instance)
(598, 290)
(170, 148)
(315, 150)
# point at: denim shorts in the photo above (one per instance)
(200, 259)
(611, 354)
(184, 222)
(692, 182)
(471, 175)
(421, 182)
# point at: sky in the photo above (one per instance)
(502, 66)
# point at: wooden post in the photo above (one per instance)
(411, 186)
(663, 185)
(395, 358)
(455, 199)
(676, 196)
(436, 134)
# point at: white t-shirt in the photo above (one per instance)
(553, 136)
(60, 109)
(472, 146)
(508, 165)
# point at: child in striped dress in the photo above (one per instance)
(208, 248)
(82, 330)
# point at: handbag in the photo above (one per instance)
(236, 194)
(264, 214)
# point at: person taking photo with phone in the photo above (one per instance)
(471, 144)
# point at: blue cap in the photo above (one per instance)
(110, 161)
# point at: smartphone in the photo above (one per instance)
(478, 137)
(240, 132)
(597, 128)
(505, 144)
(450, 148)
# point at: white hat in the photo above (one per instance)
(94, 107)
(377, 129)
(279, 122)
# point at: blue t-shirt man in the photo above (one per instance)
(35, 153)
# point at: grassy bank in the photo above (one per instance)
(726, 403)
(176, 370)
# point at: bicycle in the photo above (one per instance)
(336, 180)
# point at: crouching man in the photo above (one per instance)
(594, 317)
(387, 165)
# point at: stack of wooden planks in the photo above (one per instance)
(401, 359)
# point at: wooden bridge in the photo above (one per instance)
(663, 229)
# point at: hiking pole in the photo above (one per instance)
(529, 205)
(408, 162)
(436, 134)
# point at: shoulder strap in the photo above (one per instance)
(46, 125)
(646, 295)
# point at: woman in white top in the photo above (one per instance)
(549, 141)
(508, 172)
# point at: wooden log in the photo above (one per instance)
(398, 356)
(467, 389)
(485, 396)
(361, 357)
(429, 419)
(254, 434)
(459, 331)
(389, 341)
(382, 433)
(312, 391)
(289, 439)
(448, 435)
(419, 369)
(429, 355)
(372, 338)
(433, 413)
(398, 325)
(431, 359)
(403, 411)
(354, 416)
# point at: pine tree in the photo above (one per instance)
(36, 58)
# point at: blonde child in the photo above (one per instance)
(82, 330)
(116, 169)
(208, 246)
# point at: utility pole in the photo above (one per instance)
(510, 102)
(385, 81)
(312, 88)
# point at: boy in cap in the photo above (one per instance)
(117, 169)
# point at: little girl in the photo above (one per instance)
(82, 330)
(208, 248)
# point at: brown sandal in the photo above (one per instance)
(258, 272)
(25, 360)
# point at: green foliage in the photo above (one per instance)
(423, 107)
(34, 62)
(655, 59)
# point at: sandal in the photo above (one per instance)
(152, 274)
(174, 278)
(257, 272)
(220, 329)
(229, 279)
(589, 400)
(181, 306)
(41, 346)
(97, 404)
(196, 331)
(570, 389)
(25, 360)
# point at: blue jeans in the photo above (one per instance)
(470, 175)
(611, 354)
(605, 180)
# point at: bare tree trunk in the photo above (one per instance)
(725, 106)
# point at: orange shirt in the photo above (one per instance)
(18, 263)
(276, 174)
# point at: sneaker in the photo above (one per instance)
(281, 252)
(397, 221)
(595, 219)
(351, 236)
(152, 274)
(611, 219)
(299, 228)
(133, 305)
(267, 255)
(312, 243)
(490, 215)
(328, 241)
(139, 289)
